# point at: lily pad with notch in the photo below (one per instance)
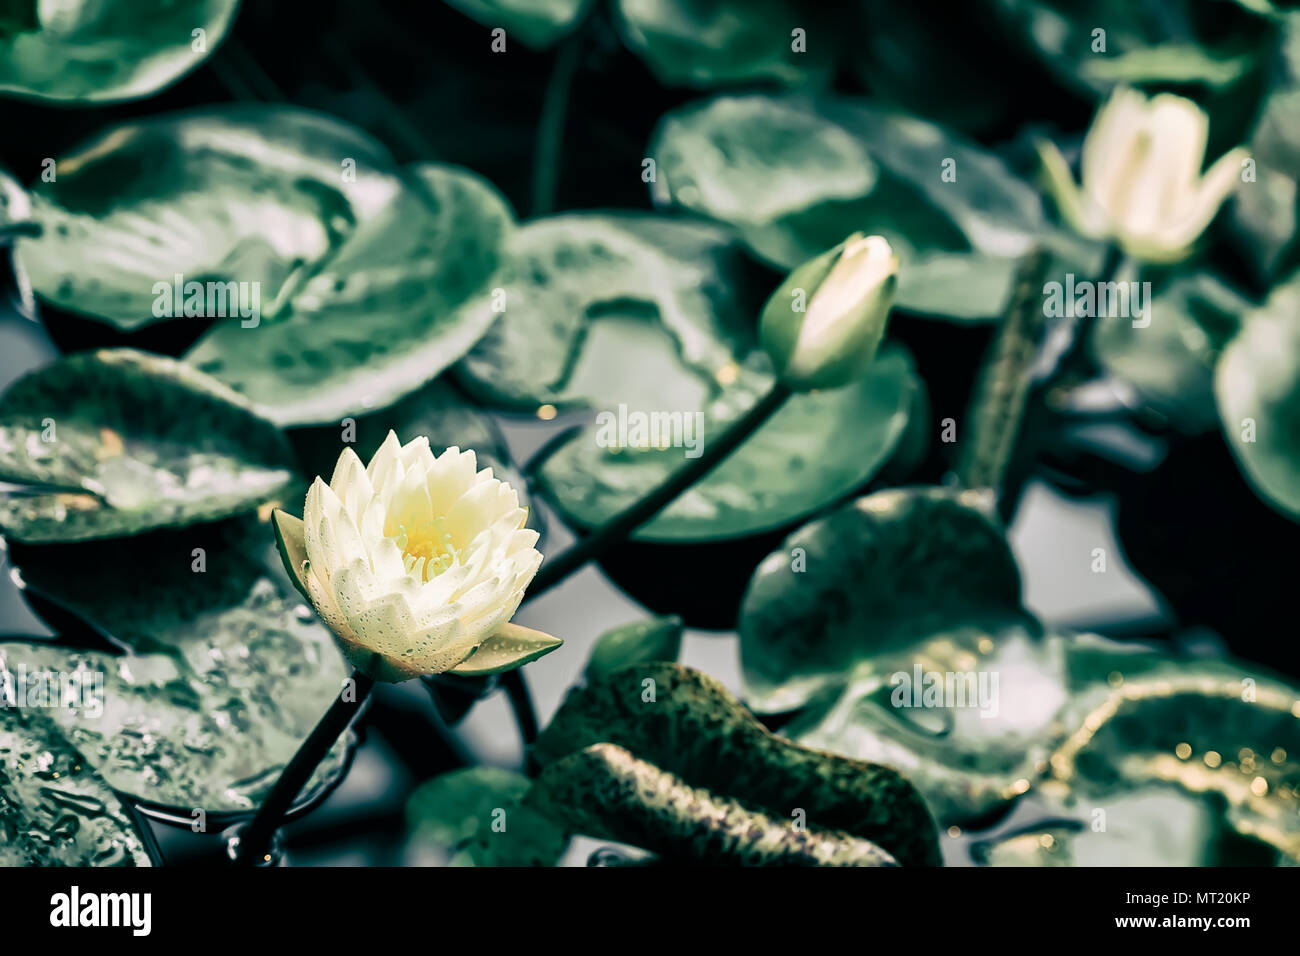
(117, 442)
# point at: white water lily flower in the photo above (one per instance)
(823, 325)
(1142, 184)
(416, 562)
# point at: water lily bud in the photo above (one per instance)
(1142, 184)
(823, 325)
(416, 562)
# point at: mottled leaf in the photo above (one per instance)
(686, 724)
(607, 792)
(599, 309)
(258, 195)
(116, 442)
(795, 176)
(379, 319)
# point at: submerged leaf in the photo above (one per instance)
(227, 669)
(55, 810)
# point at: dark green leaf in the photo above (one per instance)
(656, 639)
(1257, 387)
(686, 724)
(537, 23)
(1170, 360)
(797, 461)
(873, 577)
(688, 43)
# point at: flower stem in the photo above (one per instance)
(618, 528)
(255, 838)
(550, 128)
(521, 702)
(1059, 357)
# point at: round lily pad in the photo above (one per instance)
(797, 462)
(869, 578)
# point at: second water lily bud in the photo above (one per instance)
(822, 327)
(1141, 183)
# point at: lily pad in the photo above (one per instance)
(106, 51)
(1170, 361)
(332, 275)
(116, 442)
(1257, 387)
(844, 166)
(476, 816)
(55, 810)
(380, 318)
(655, 639)
(873, 577)
(226, 669)
(256, 195)
(607, 792)
(797, 462)
(577, 292)
(687, 43)
(686, 724)
(537, 23)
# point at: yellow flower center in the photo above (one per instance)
(427, 549)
